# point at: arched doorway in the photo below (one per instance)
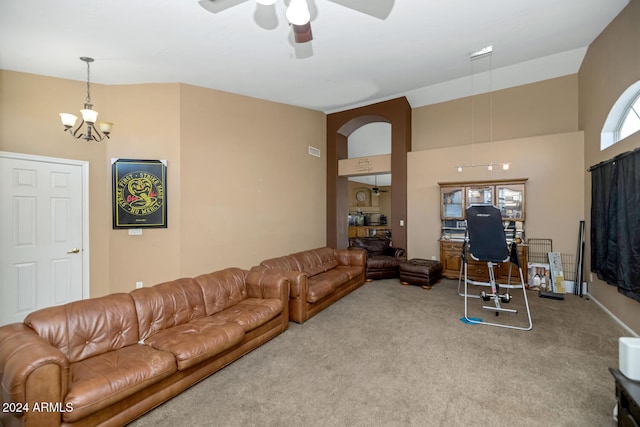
(369, 191)
(340, 125)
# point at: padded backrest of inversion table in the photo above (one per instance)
(487, 241)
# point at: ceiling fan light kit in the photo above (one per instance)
(298, 12)
(89, 116)
(302, 33)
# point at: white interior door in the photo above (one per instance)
(42, 234)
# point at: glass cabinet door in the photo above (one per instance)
(511, 201)
(480, 195)
(452, 202)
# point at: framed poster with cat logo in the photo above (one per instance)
(139, 193)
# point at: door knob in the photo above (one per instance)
(73, 251)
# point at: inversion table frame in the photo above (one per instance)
(486, 242)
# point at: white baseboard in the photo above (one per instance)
(613, 316)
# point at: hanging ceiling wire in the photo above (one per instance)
(487, 51)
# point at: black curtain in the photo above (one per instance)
(615, 222)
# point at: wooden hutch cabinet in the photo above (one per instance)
(455, 197)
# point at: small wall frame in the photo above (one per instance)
(139, 193)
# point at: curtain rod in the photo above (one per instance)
(614, 159)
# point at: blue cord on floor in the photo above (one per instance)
(471, 320)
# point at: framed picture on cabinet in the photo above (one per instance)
(139, 193)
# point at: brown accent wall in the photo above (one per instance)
(611, 65)
(340, 125)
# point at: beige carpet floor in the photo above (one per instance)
(393, 355)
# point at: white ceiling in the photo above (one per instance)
(421, 50)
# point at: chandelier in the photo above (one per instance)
(89, 116)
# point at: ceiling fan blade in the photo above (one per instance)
(302, 33)
(217, 6)
(379, 8)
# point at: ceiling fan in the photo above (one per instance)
(300, 13)
(375, 191)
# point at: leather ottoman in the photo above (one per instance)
(421, 272)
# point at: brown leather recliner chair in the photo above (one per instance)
(383, 260)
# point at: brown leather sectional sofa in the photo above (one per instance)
(105, 361)
(317, 278)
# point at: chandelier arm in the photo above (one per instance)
(75, 132)
(97, 136)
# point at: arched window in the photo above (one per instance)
(624, 117)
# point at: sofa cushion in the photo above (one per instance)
(99, 381)
(352, 271)
(200, 339)
(251, 312)
(382, 262)
(321, 285)
(166, 305)
(86, 328)
(222, 289)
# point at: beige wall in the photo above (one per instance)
(534, 127)
(552, 129)
(553, 165)
(241, 186)
(29, 124)
(250, 190)
(541, 108)
(147, 126)
(611, 65)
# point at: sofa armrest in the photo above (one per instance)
(297, 284)
(297, 279)
(267, 285)
(399, 252)
(352, 256)
(32, 370)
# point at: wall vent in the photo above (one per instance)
(314, 151)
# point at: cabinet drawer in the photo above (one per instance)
(451, 246)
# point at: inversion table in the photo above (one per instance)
(486, 242)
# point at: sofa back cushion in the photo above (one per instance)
(315, 261)
(82, 329)
(167, 304)
(310, 262)
(373, 245)
(222, 289)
